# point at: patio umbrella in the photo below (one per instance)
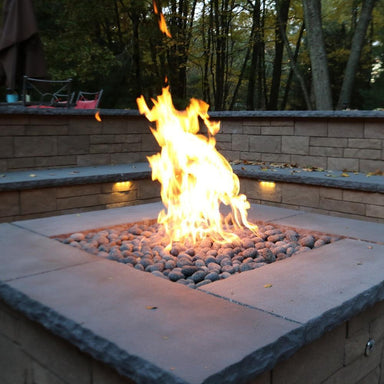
(21, 51)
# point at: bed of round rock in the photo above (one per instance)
(142, 246)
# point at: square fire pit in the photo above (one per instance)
(151, 330)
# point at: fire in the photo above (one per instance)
(196, 180)
(162, 23)
(97, 116)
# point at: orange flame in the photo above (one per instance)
(163, 26)
(195, 179)
(97, 116)
(162, 23)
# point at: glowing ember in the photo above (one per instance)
(162, 23)
(195, 179)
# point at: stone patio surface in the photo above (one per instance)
(152, 330)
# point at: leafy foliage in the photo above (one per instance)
(222, 51)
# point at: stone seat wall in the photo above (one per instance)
(60, 142)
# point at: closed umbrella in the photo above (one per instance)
(21, 51)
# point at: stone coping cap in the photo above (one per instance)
(152, 330)
(327, 178)
(6, 109)
(42, 178)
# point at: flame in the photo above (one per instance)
(195, 179)
(163, 26)
(97, 116)
(162, 23)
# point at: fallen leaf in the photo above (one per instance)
(268, 286)
(32, 175)
(375, 173)
(150, 307)
(344, 174)
(97, 116)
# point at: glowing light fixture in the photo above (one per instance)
(123, 186)
(267, 185)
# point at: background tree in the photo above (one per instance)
(282, 10)
(243, 54)
(318, 55)
(355, 53)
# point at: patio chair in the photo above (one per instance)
(47, 93)
(88, 100)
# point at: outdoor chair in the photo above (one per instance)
(88, 100)
(47, 93)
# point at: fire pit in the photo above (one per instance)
(143, 246)
(98, 318)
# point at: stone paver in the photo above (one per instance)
(24, 253)
(320, 287)
(58, 225)
(356, 229)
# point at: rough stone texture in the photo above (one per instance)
(37, 201)
(295, 145)
(307, 196)
(240, 142)
(353, 181)
(348, 128)
(35, 146)
(326, 357)
(33, 355)
(343, 164)
(264, 144)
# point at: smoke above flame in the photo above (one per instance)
(196, 180)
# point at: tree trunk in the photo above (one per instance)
(318, 56)
(255, 42)
(206, 41)
(181, 23)
(240, 80)
(354, 56)
(295, 70)
(282, 8)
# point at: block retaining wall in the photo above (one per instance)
(346, 140)
(348, 203)
(31, 354)
(43, 202)
(37, 139)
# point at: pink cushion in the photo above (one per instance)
(86, 104)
